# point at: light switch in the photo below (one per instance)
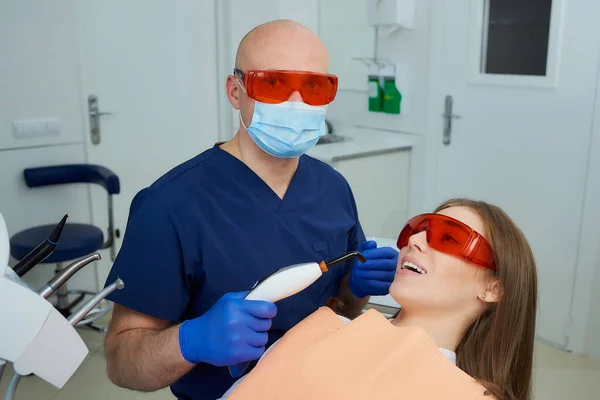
(53, 126)
(25, 129)
(20, 129)
(39, 127)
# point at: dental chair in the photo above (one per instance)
(77, 240)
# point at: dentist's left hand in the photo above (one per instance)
(374, 277)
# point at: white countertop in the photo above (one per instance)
(361, 142)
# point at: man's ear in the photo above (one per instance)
(493, 292)
(233, 92)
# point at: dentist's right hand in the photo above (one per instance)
(233, 331)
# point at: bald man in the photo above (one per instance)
(202, 235)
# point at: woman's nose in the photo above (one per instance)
(296, 97)
(418, 241)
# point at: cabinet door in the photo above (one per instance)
(380, 187)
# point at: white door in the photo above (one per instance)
(153, 65)
(522, 77)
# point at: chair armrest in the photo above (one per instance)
(73, 173)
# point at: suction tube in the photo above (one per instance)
(41, 252)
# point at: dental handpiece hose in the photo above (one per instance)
(41, 252)
(63, 276)
(80, 314)
(74, 319)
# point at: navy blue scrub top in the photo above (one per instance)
(211, 226)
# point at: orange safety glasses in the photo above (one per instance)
(276, 86)
(451, 237)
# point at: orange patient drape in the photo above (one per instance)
(369, 358)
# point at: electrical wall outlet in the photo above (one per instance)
(25, 129)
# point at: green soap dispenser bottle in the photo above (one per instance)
(392, 98)
(375, 90)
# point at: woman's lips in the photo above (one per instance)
(409, 266)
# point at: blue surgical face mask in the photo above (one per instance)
(286, 130)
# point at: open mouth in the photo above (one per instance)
(408, 266)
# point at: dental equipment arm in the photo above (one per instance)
(49, 351)
(287, 282)
(41, 252)
(39, 339)
(63, 276)
(55, 283)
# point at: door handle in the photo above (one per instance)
(448, 116)
(95, 114)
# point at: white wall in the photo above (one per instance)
(592, 342)
(39, 70)
(586, 311)
(344, 28)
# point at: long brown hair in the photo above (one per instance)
(497, 349)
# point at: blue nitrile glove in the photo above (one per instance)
(234, 330)
(374, 277)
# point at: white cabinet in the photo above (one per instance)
(380, 186)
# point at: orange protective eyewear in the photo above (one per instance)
(451, 237)
(276, 86)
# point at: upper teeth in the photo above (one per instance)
(410, 266)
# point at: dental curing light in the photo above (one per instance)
(286, 282)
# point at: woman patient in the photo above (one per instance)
(467, 278)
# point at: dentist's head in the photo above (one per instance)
(281, 86)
